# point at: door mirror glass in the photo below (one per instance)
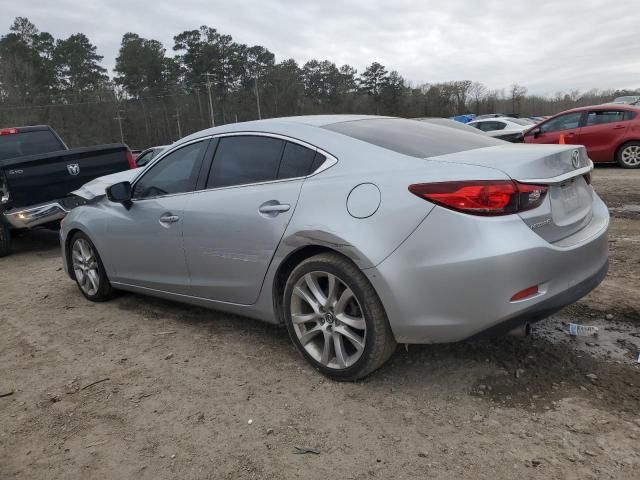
(119, 192)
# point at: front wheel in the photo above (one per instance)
(629, 155)
(88, 270)
(335, 318)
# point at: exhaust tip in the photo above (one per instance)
(523, 330)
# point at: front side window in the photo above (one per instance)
(563, 122)
(241, 160)
(598, 117)
(175, 173)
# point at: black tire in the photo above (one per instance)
(5, 239)
(620, 155)
(379, 340)
(105, 290)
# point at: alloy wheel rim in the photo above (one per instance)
(85, 266)
(328, 320)
(631, 155)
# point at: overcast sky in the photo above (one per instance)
(545, 45)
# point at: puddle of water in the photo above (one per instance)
(616, 341)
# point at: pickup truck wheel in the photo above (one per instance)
(628, 155)
(88, 269)
(5, 239)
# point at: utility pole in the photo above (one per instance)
(119, 119)
(208, 75)
(255, 82)
(177, 116)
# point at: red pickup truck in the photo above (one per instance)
(610, 132)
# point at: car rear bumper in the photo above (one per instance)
(453, 278)
(35, 215)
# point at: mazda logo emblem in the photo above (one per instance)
(575, 159)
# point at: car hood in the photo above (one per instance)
(96, 188)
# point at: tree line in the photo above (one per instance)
(155, 98)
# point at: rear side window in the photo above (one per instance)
(598, 117)
(175, 173)
(629, 115)
(297, 161)
(245, 159)
(412, 137)
(28, 143)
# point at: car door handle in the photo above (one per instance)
(619, 127)
(169, 218)
(275, 208)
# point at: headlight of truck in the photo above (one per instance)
(4, 189)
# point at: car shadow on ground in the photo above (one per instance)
(40, 241)
(523, 372)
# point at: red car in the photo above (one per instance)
(610, 132)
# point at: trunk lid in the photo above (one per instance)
(567, 207)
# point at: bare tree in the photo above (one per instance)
(478, 92)
(517, 94)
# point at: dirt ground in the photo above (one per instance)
(148, 389)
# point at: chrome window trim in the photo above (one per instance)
(329, 162)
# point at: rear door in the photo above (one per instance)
(567, 125)
(233, 227)
(145, 246)
(603, 131)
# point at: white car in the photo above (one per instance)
(502, 123)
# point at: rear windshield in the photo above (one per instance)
(28, 143)
(411, 137)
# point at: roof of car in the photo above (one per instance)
(604, 106)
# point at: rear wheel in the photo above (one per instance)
(88, 270)
(628, 155)
(5, 239)
(335, 318)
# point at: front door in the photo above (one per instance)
(146, 239)
(233, 227)
(567, 125)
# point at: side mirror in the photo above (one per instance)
(120, 193)
(534, 132)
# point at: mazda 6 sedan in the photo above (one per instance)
(356, 232)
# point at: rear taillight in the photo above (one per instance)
(131, 160)
(482, 197)
(8, 131)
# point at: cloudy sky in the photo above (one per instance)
(546, 45)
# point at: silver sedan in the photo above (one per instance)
(355, 232)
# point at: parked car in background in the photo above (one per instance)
(513, 136)
(610, 132)
(628, 100)
(356, 232)
(490, 115)
(502, 123)
(149, 154)
(38, 172)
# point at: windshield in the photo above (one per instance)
(522, 121)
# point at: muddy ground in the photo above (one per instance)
(148, 389)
